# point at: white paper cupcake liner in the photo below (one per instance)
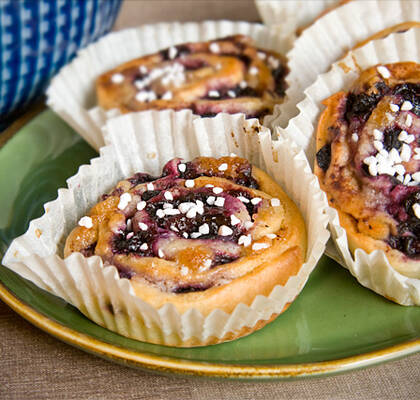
(329, 39)
(144, 142)
(72, 92)
(371, 270)
(291, 14)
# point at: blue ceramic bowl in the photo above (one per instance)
(37, 37)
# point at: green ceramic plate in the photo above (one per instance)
(334, 325)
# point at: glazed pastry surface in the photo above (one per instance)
(368, 162)
(225, 75)
(213, 231)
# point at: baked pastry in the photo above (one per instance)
(368, 159)
(208, 234)
(224, 75)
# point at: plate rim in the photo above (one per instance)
(173, 365)
(165, 364)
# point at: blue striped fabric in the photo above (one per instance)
(38, 37)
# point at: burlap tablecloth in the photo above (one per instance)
(34, 365)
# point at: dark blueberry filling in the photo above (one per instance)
(391, 138)
(125, 273)
(89, 251)
(149, 194)
(182, 50)
(122, 245)
(323, 157)
(410, 92)
(251, 208)
(222, 259)
(189, 288)
(140, 177)
(279, 74)
(241, 176)
(408, 238)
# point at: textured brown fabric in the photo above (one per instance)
(34, 365)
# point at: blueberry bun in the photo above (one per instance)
(368, 162)
(206, 234)
(226, 75)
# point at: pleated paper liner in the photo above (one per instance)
(329, 39)
(72, 92)
(144, 142)
(371, 270)
(292, 14)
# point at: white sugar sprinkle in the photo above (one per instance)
(130, 235)
(224, 231)
(210, 200)
(184, 207)
(195, 235)
(209, 185)
(117, 78)
(406, 106)
(405, 152)
(243, 199)
(167, 205)
(223, 167)
(417, 153)
(416, 209)
(271, 235)
(243, 84)
(394, 107)
(244, 240)
(172, 52)
(214, 48)
(407, 178)
(161, 254)
(160, 213)
(231, 93)
(141, 205)
(256, 200)
(219, 202)
(399, 169)
(384, 71)
(86, 222)
(400, 178)
(378, 145)
(192, 212)
(167, 95)
(143, 226)
(150, 186)
(410, 139)
(184, 270)
(260, 246)
(124, 200)
(217, 190)
(248, 224)
(213, 93)
(234, 220)
(416, 176)
(174, 228)
(409, 120)
(168, 196)
(182, 167)
(143, 69)
(377, 134)
(129, 224)
(253, 70)
(146, 96)
(204, 229)
(207, 263)
(185, 234)
(275, 202)
(144, 247)
(354, 137)
(172, 211)
(402, 136)
(261, 55)
(189, 183)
